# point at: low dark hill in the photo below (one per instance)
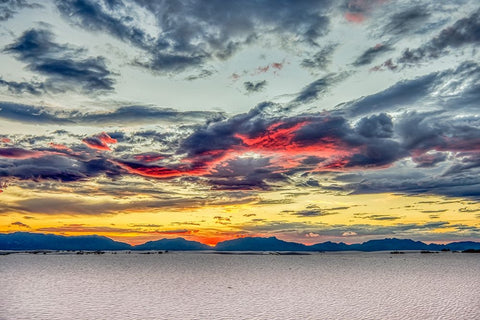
(259, 244)
(463, 245)
(172, 244)
(39, 241)
(390, 244)
(330, 246)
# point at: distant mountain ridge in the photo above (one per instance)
(24, 241)
(40, 241)
(172, 244)
(259, 244)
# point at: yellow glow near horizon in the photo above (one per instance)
(213, 222)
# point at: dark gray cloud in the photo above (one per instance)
(413, 182)
(8, 8)
(33, 165)
(419, 132)
(319, 87)
(144, 114)
(245, 174)
(201, 75)
(371, 54)
(463, 32)
(127, 114)
(20, 224)
(30, 114)
(320, 60)
(189, 34)
(257, 86)
(403, 93)
(65, 67)
(428, 160)
(406, 21)
(315, 211)
(377, 217)
(34, 88)
(378, 126)
(448, 90)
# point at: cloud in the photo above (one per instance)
(20, 224)
(361, 231)
(190, 34)
(222, 220)
(430, 159)
(29, 114)
(244, 174)
(371, 54)
(376, 126)
(18, 153)
(463, 32)
(100, 141)
(65, 168)
(315, 211)
(312, 235)
(257, 86)
(81, 228)
(84, 206)
(311, 212)
(319, 87)
(373, 138)
(33, 88)
(320, 60)
(406, 21)
(357, 11)
(204, 73)
(403, 93)
(377, 217)
(121, 115)
(8, 8)
(65, 67)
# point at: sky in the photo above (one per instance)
(309, 121)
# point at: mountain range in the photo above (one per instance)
(23, 241)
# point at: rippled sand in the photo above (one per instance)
(208, 286)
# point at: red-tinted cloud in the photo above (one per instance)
(274, 66)
(5, 140)
(357, 10)
(287, 143)
(148, 157)
(60, 147)
(386, 65)
(18, 153)
(99, 142)
(281, 140)
(159, 171)
(263, 69)
(277, 65)
(354, 17)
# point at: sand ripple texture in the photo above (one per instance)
(210, 286)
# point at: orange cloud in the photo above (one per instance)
(100, 141)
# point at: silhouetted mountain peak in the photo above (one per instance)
(40, 241)
(259, 244)
(172, 244)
